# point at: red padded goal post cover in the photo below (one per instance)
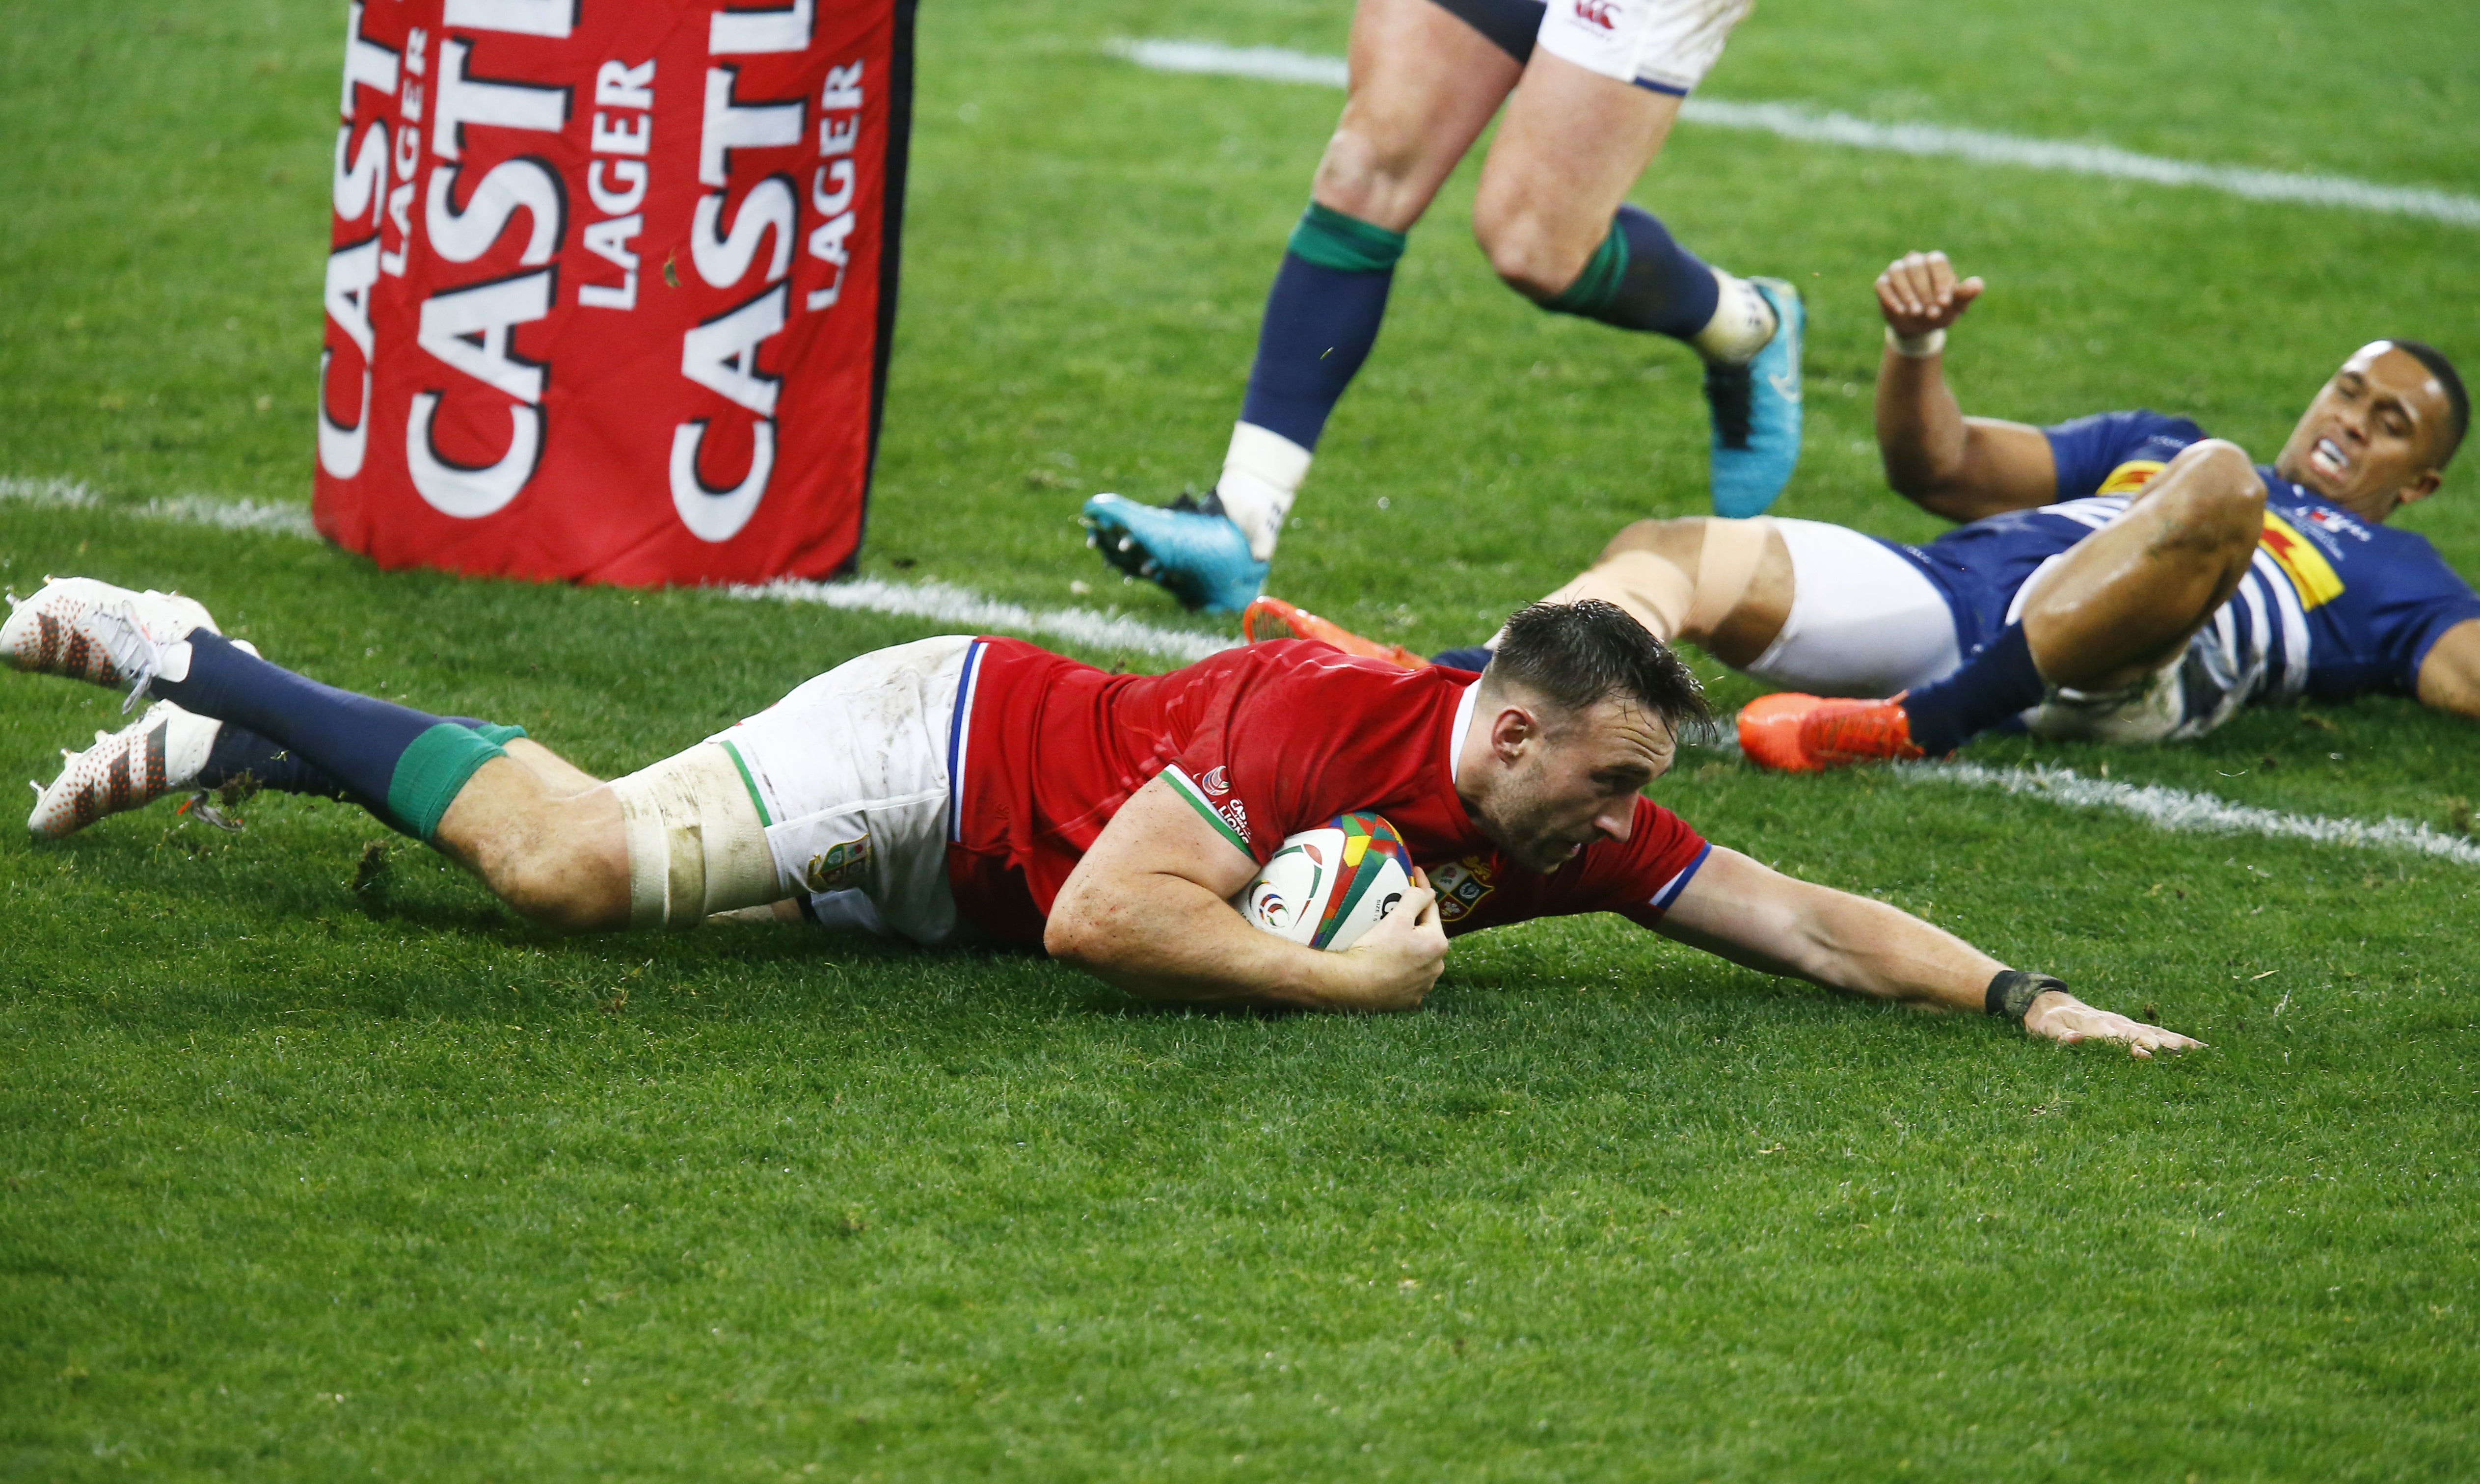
(610, 286)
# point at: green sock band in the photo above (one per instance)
(494, 731)
(1599, 283)
(1348, 244)
(432, 772)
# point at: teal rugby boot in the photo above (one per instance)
(1191, 548)
(1756, 412)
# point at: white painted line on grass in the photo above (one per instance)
(2193, 814)
(970, 610)
(938, 600)
(2170, 808)
(185, 509)
(1794, 121)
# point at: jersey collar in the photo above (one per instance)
(1457, 730)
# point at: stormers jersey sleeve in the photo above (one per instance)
(2114, 453)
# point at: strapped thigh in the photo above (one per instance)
(1725, 566)
(697, 844)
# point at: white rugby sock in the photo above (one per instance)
(1261, 476)
(1743, 322)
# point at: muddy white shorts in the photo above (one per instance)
(849, 774)
(1864, 621)
(1667, 45)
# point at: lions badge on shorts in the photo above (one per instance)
(840, 867)
(1462, 887)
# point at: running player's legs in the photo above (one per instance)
(2124, 601)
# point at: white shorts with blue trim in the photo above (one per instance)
(1666, 45)
(852, 775)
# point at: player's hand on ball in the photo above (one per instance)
(1919, 293)
(1401, 956)
(2067, 1020)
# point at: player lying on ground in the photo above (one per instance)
(987, 791)
(2120, 578)
(1591, 88)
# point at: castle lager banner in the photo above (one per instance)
(612, 284)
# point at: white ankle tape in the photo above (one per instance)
(1726, 567)
(1261, 474)
(696, 843)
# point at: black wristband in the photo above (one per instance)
(2012, 992)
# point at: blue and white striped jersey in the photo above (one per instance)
(2334, 606)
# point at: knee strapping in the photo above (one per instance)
(697, 844)
(1653, 591)
(1725, 567)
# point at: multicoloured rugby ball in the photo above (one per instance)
(1327, 886)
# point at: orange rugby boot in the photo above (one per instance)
(1281, 620)
(1769, 731)
(1840, 733)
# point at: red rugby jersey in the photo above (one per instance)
(1266, 741)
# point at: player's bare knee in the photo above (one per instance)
(1368, 165)
(1526, 251)
(2216, 494)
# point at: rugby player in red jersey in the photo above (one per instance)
(981, 789)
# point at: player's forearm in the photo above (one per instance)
(1869, 948)
(1922, 436)
(1163, 938)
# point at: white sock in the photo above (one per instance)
(1743, 322)
(1261, 476)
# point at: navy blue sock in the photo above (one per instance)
(1985, 691)
(411, 761)
(1640, 279)
(1322, 317)
(240, 751)
(1476, 657)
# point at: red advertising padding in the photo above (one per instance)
(612, 284)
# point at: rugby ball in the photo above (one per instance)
(1327, 886)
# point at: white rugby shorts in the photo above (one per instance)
(1862, 622)
(850, 774)
(1667, 45)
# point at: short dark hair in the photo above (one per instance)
(2458, 402)
(1577, 654)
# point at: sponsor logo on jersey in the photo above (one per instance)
(2338, 524)
(2300, 561)
(2132, 476)
(839, 867)
(1217, 780)
(1462, 887)
(1236, 817)
(1598, 12)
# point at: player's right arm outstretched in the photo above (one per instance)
(1740, 910)
(1948, 464)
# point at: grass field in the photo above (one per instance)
(309, 1180)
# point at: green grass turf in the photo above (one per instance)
(304, 1182)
